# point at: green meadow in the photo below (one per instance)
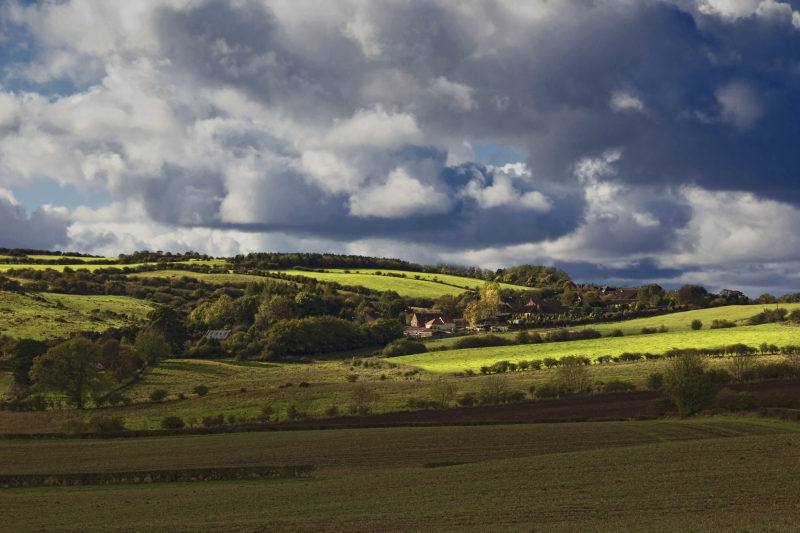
(459, 281)
(50, 316)
(215, 279)
(727, 474)
(474, 358)
(415, 288)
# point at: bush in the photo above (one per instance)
(655, 381)
(616, 333)
(351, 378)
(481, 341)
(332, 411)
(734, 401)
(696, 324)
(722, 323)
(400, 347)
(172, 422)
(213, 421)
(158, 395)
(548, 390)
(687, 384)
(467, 399)
(201, 390)
(617, 385)
(266, 413)
(96, 424)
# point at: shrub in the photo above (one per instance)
(400, 347)
(481, 341)
(212, 421)
(628, 356)
(467, 399)
(648, 331)
(550, 362)
(158, 395)
(332, 411)
(266, 413)
(696, 324)
(655, 381)
(535, 365)
(172, 422)
(572, 375)
(96, 424)
(734, 401)
(548, 390)
(494, 390)
(293, 413)
(351, 378)
(616, 333)
(687, 384)
(618, 385)
(500, 367)
(201, 390)
(720, 375)
(722, 323)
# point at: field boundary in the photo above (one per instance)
(156, 476)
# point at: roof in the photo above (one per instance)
(440, 320)
(218, 334)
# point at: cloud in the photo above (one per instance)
(45, 228)
(622, 101)
(401, 195)
(350, 125)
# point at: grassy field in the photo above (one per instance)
(92, 267)
(215, 279)
(408, 286)
(474, 358)
(70, 257)
(50, 316)
(459, 281)
(629, 476)
(674, 322)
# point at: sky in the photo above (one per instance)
(626, 142)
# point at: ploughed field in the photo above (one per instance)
(724, 474)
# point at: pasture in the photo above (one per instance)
(214, 279)
(51, 316)
(409, 285)
(612, 476)
(474, 358)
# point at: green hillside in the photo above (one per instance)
(51, 316)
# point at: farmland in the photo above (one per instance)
(51, 316)
(589, 476)
(474, 358)
(404, 286)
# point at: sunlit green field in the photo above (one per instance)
(474, 358)
(415, 288)
(51, 316)
(467, 283)
(702, 475)
(216, 279)
(70, 257)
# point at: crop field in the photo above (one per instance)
(50, 316)
(474, 358)
(625, 476)
(416, 288)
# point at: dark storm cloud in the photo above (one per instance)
(41, 230)
(638, 271)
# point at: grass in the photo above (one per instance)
(703, 475)
(92, 267)
(406, 286)
(50, 316)
(70, 257)
(216, 279)
(474, 358)
(674, 322)
(459, 281)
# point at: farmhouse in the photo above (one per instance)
(444, 323)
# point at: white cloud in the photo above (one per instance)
(739, 105)
(623, 101)
(375, 128)
(502, 193)
(456, 95)
(401, 195)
